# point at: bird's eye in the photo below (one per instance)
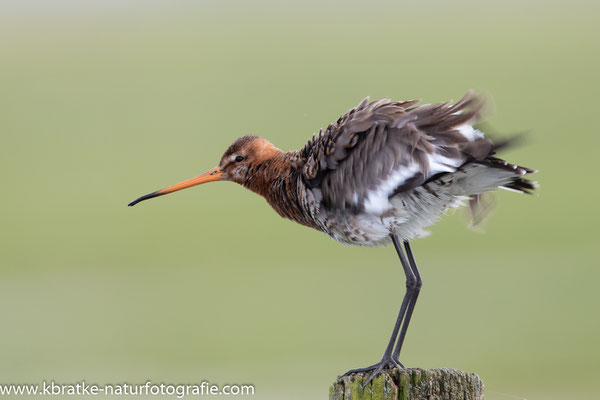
(239, 159)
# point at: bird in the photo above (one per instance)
(382, 173)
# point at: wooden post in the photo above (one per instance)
(409, 384)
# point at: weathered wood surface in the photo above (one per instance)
(409, 384)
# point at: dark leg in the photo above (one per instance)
(413, 300)
(388, 361)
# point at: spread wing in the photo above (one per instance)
(381, 148)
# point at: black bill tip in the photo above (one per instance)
(145, 197)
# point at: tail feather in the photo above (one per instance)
(499, 163)
(475, 180)
(521, 185)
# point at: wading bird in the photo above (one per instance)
(381, 173)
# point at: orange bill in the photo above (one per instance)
(214, 174)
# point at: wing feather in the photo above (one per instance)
(383, 147)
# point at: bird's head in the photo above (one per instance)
(245, 152)
(234, 165)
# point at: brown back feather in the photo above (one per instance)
(371, 141)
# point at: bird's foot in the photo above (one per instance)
(385, 363)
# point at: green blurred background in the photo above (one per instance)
(104, 101)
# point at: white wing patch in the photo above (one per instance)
(377, 201)
(470, 133)
(439, 163)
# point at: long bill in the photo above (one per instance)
(214, 174)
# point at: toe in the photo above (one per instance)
(373, 375)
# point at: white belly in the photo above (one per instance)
(410, 214)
